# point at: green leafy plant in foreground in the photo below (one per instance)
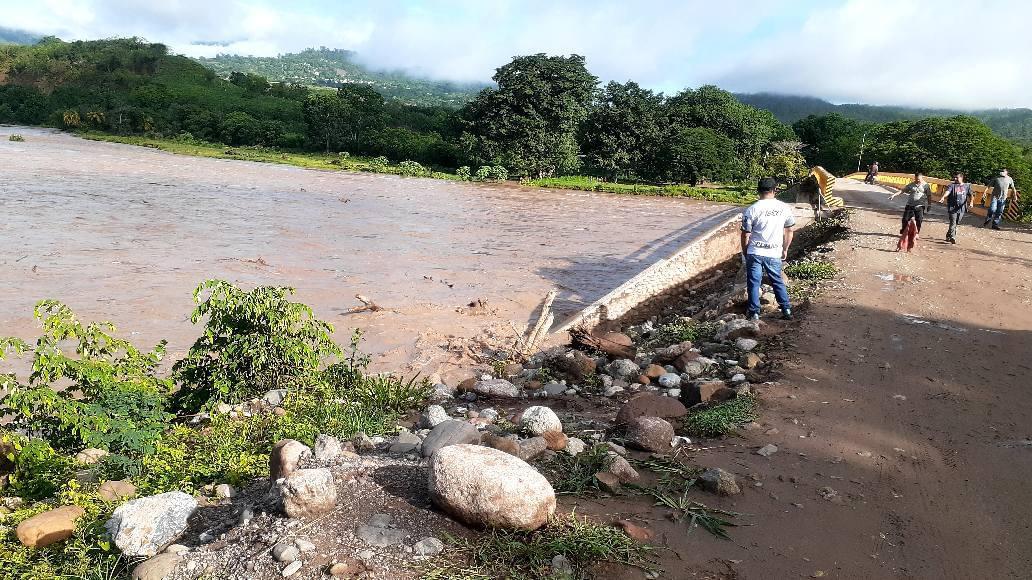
(697, 513)
(682, 330)
(253, 341)
(721, 419)
(528, 555)
(105, 395)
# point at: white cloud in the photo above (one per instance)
(956, 53)
(931, 53)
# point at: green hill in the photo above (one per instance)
(15, 36)
(334, 67)
(1014, 124)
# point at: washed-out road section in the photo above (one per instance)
(125, 233)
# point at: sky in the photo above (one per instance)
(931, 53)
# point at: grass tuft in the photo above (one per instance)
(680, 331)
(526, 555)
(575, 475)
(812, 270)
(721, 419)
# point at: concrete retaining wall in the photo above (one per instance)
(697, 260)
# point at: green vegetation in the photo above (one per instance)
(334, 67)
(734, 195)
(698, 514)
(937, 146)
(1013, 124)
(575, 474)
(528, 555)
(680, 331)
(90, 388)
(721, 419)
(812, 269)
(16, 137)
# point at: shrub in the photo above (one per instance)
(106, 396)
(811, 269)
(37, 471)
(463, 173)
(253, 341)
(412, 169)
(16, 137)
(498, 173)
(682, 330)
(379, 164)
(483, 173)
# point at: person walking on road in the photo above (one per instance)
(958, 200)
(766, 236)
(1002, 185)
(919, 201)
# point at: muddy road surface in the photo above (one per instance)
(125, 233)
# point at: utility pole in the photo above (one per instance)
(863, 141)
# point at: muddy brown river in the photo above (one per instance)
(125, 234)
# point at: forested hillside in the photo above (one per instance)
(1013, 124)
(334, 67)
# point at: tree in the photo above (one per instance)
(239, 128)
(325, 118)
(621, 129)
(364, 114)
(529, 123)
(250, 82)
(832, 141)
(784, 162)
(694, 154)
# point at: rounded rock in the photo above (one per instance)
(538, 420)
(486, 487)
(650, 433)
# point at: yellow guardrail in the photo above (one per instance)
(980, 193)
(826, 181)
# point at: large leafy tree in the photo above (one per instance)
(693, 154)
(529, 123)
(621, 129)
(832, 141)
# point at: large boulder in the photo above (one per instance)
(450, 432)
(496, 388)
(651, 434)
(650, 405)
(144, 526)
(482, 486)
(285, 457)
(49, 527)
(538, 420)
(307, 493)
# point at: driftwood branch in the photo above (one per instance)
(367, 306)
(544, 322)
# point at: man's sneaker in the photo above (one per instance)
(753, 316)
(985, 224)
(953, 240)
(786, 315)
(996, 227)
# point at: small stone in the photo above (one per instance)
(510, 445)
(380, 533)
(177, 549)
(738, 378)
(621, 468)
(654, 371)
(291, 568)
(608, 481)
(674, 393)
(275, 397)
(327, 448)
(669, 380)
(159, 567)
(612, 391)
(719, 481)
(448, 433)
(537, 420)
(746, 344)
(767, 450)
(623, 369)
(434, 416)
(575, 446)
(496, 388)
(225, 491)
(749, 360)
(49, 527)
(651, 434)
(116, 490)
(634, 531)
(556, 440)
(618, 449)
(561, 567)
(489, 414)
(349, 568)
(428, 547)
(285, 457)
(533, 447)
(307, 493)
(304, 545)
(286, 553)
(90, 456)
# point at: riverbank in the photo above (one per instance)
(331, 162)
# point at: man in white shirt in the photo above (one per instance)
(766, 235)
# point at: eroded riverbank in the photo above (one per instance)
(125, 233)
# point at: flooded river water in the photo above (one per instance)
(125, 233)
